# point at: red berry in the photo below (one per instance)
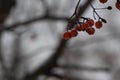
(103, 1)
(84, 26)
(67, 35)
(90, 22)
(74, 33)
(117, 5)
(90, 31)
(98, 24)
(78, 28)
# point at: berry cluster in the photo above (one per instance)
(87, 25)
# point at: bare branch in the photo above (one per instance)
(33, 20)
(88, 68)
(52, 62)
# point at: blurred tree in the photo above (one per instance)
(34, 23)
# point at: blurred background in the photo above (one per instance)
(32, 45)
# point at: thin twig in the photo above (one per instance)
(94, 10)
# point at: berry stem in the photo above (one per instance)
(76, 9)
(77, 6)
(94, 9)
(75, 12)
(94, 15)
(99, 8)
(109, 8)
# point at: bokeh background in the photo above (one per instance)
(32, 45)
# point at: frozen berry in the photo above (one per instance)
(67, 35)
(90, 22)
(74, 33)
(78, 28)
(90, 31)
(84, 26)
(98, 24)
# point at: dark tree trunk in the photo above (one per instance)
(5, 7)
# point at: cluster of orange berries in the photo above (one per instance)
(86, 26)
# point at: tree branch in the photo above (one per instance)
(16, 25)
(52, 62)
(88, 68)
